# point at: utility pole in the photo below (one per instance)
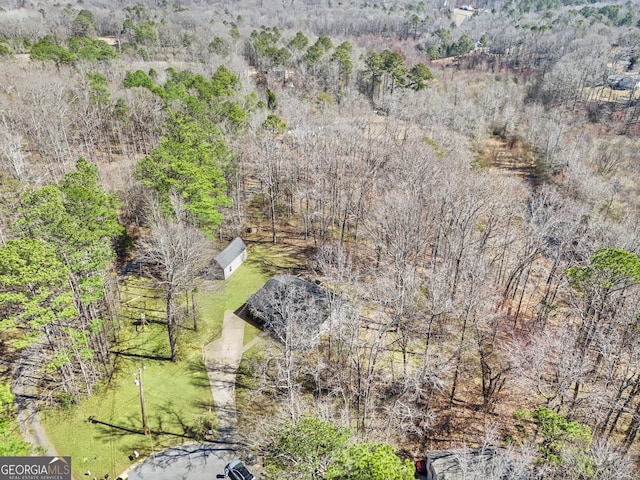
(138, 382)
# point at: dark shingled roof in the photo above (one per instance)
(231, 252)
(302, 293)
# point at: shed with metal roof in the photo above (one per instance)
(229, 259)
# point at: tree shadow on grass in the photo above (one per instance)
(149, 343)
(197, 371)
(271, 268)
(141, 355)
(120, 430)
(210, 406)
(136, 322)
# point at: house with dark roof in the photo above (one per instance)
(229, 259)
(620, 82)
(286, 298)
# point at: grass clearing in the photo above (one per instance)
(178, 397)
(250, 332)
(252, 407)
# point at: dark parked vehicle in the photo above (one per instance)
(236, 470)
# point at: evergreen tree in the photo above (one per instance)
(190, 161)
(73, 225)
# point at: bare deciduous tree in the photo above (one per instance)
(294, 312)
(175, 252)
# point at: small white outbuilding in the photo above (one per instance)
(229, 259)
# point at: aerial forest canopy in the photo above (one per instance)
(461, 179)
(53, 275)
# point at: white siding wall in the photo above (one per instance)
(235, 264)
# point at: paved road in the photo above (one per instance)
(203, 461)
(188, 462)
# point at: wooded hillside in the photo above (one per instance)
(464, 183)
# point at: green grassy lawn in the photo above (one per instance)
(250, 332)
(175, 396)
(178, 397)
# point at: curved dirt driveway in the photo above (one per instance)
(24, 384)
